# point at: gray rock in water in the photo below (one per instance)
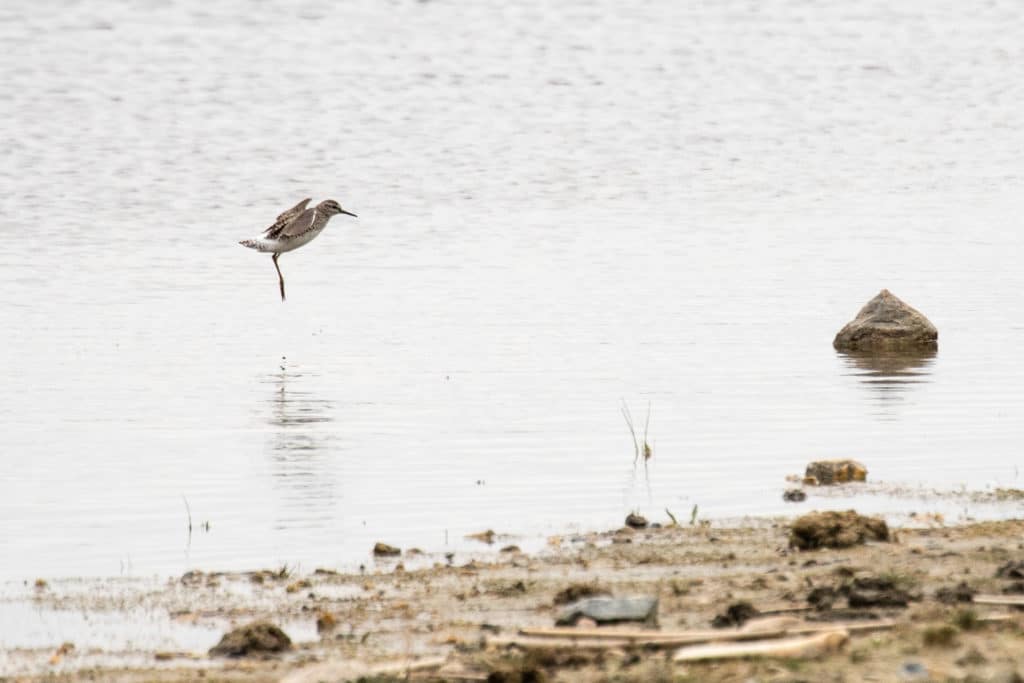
(887, 324)
(611, 610)
(794, 496)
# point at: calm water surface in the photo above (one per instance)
(561, 206)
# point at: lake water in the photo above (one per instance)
(562, 206)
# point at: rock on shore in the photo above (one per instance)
(256, 638)
(886, 323)
(829, 472)
(834, 529)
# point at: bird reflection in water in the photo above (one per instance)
(890, 375)
(299, 446)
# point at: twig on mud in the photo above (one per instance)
(675, 522)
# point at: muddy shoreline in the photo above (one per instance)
(461, 620)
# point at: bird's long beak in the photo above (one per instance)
(349, 213)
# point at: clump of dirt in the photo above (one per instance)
(864, 591)
(966, 619)
(950, 595)
(257, 637)
(943, 635)
(578, 591)
(507, 589)
(836, 530)
(736, 614)
(532, 666)
(822, 597)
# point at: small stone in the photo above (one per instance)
(192, 577)
(736, 614)
(323, 571)
(385, 550)
(794, 496)
(1011, 570)
(913, 671)
(483, 536)
(611, 610)
(325, 621)
(636, 521)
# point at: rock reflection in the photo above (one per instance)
(891, 374)
(299, 448)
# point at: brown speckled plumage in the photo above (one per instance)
(293, 229)
(285, 218)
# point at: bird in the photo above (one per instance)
(293, 228)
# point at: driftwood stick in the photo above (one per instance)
(799, 646)
(641, 637)
(1005, 600)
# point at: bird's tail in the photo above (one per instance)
(252, 244)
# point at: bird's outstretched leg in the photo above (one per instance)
(279, 276)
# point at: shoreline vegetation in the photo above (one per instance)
(730, 603)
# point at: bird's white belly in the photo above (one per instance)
(281, 246)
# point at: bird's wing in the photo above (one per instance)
(286, 217)
(300, 225)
